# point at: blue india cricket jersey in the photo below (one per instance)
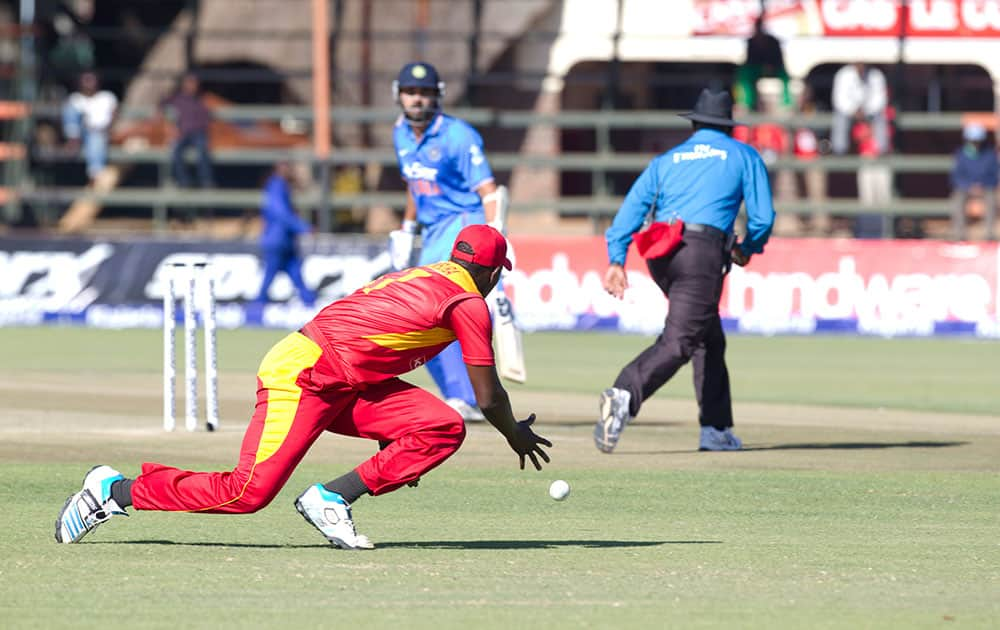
(442, 169)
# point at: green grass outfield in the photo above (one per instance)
(868, 496)
(961, 375)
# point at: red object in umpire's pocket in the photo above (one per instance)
(659, 239)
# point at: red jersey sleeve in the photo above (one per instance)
(470, 319)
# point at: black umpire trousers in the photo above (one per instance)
(691, 278)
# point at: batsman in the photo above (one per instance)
(449, 186)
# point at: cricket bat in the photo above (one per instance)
(508, 338)
(509, 344)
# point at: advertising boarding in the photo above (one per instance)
(851, 18)
(799, 286)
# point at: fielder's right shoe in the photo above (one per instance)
(713, 439)
(331, 515)
(89, 507)
(469, 413)
(614, 417)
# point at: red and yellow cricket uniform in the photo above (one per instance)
(339, 374)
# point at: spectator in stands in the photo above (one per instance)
(279, 237)
(192, 118)
(859, 95)
(87, 117)
(764, 58)
(974, 173)
(874, 182)
(64, 44)
(807, 147)
(874, 179)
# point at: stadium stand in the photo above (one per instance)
(568, 132)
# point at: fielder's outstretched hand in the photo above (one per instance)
(527, 442)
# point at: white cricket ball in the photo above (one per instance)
(559, 490)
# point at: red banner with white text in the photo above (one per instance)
(798, 286)
(851, 18)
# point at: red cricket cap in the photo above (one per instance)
(488, 245)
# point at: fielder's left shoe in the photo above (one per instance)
(331, 515)
(89, 507)
(713, 439)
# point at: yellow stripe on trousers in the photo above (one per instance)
(278, 372)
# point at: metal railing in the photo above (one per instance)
(602, 161)
(520, 119)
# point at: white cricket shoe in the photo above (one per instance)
(89, 507)
(469, 413)
(331, 515)
(614, 418)
(713, 439)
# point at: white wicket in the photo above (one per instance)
(169, 363)
(190, 351)
(211, 359)
(183, 280)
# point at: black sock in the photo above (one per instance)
(121, 492)
(348, 486)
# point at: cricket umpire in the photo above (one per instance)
(698, 187)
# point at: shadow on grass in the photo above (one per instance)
(436, 544)
(812, 446)
(850, 446)
(541, 544)
(649, 424)
(182, 543)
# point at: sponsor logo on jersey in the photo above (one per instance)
(477, 154)
(700, 152)
(416, 170)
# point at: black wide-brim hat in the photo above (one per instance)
(713, 108)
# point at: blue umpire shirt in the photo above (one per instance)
(702, 180)
(443, 169)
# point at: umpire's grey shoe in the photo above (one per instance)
(614, 416)
(713, 439)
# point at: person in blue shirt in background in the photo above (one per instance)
(279, 237)
(702, 183)
(449, 186)
(974, 171)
